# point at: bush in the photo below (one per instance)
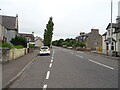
(5, 44)
(31, 46)
(19, 47)
(19, 40)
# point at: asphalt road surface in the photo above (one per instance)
(66, 68)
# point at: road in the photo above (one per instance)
(66, 68)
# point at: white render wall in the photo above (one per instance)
(11, 34)
(3, 32)
(103, 44)
(118, 42)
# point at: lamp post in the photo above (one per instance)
(110, 44)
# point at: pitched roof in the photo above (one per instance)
(8, 22)
(117, 31)
(114, 25)
(104, 34)
(26, 35)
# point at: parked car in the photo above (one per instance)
(44, 50)
(69, 47)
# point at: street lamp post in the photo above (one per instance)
(110, 44)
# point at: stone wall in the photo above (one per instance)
(16, 53)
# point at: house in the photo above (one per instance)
(3, 34)
(29, 37)
(38, 42)
(93, 40)
(11, 24)
(115, 45)
(82, 37)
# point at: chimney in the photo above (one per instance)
(118, 17)
(16, 24)
(82, 33)
(119, 8)
(33, 33)
(95, 31)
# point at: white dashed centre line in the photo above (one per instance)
(80, 52)
(51, 60)
(79, 56)
(101, 64)
(48, 74)
(50, 65)
(44, 87)
(52, 57)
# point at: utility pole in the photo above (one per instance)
(110, 44)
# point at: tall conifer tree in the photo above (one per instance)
(48, 32)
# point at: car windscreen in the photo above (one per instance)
(44, 48)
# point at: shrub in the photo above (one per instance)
(19, 40)
(31, 46)
(19, 47)
(5, 44)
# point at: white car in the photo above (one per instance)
(44, 50)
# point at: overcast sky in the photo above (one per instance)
(69, 16)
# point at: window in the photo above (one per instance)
(112, 47)
(107, 46)
(109, 32)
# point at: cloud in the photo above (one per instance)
(70, 16)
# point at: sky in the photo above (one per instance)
(70, 17)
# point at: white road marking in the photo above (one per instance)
(52, 57)
(50, 65)
(44, 87)
(79, 56)
(53, 51)
(71, 53)
(101, 64)
(80, 52)
(51, 60)
(48, 74)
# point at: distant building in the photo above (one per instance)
(29, 37)
(82, 37)
(38, 42)
(11, 24)
(92, 39)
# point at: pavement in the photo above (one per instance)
(12, 70)
(107, 56)
(99, 53)
(66, 68)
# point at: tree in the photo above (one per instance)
(19, 40)
(48, 32)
